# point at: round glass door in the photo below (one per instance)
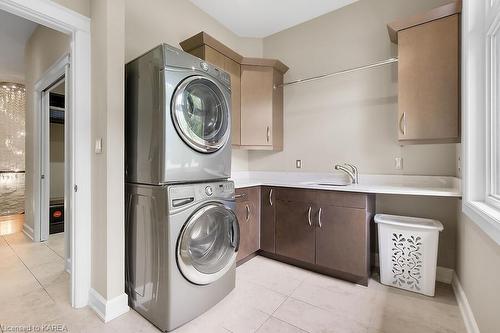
(201, 114)
(208, 244)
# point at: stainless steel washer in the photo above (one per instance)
(181, 247)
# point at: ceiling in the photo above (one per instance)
(14, 33)
(261, 18)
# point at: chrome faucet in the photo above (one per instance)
(350, 170)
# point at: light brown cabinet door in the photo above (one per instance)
(295, 230)
(428, 79)
(248, 214)
(256, 106)
(342, 239)
(214, 57)
(234, 69)
(267, 219)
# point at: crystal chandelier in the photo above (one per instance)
(12, 126)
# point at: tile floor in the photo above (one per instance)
(269, 297)
(11, 224)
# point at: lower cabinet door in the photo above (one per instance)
(241, 213)
(295, 230)
(267, 219)
(248, 214)
(342, 240)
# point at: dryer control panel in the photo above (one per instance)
(183, 195)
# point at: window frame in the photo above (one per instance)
(480, 116)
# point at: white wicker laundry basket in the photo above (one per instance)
(408, 248)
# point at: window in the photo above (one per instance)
(481, 113)
(492, 28)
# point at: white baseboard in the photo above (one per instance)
(465, 309)
(108, 310)
(28, 231)
(444, 274)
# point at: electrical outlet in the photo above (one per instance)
(298, 164)
(398, 163)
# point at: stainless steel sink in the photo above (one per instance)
(328, 183)
(332, 184)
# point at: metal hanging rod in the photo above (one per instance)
(345, 71)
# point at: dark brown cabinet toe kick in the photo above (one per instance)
(323, 231)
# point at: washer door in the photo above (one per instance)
(208, 244)
(201, 114)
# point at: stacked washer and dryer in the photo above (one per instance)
(182, 236)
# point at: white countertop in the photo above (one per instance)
(438, 186)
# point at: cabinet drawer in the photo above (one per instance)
(342, 199)
(295, 194)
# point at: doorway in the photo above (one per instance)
(77, 166)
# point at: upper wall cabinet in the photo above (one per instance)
(262, 104)
(428, 75)
(257, 101)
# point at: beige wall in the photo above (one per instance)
(351, 117)
(442, 209)
(80, 6)
(108, 235)
(152, 22)
(43, 49)
(478, 269)
(56, 160)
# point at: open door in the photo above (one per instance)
(55, 156)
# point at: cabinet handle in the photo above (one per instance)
(248, 213)
(268, 133)
(238, 196)
(271, 197)
(309, 216)
(319, 218)
(402, 123)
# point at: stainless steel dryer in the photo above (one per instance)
(181, 246)
(177, 119)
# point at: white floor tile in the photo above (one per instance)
(269, 297)
(314, 319)
(274, 325)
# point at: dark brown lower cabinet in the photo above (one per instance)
(342, 240)
(295, 231)
(325, 231)
(267, 219)
(248, 214)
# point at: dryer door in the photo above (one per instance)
(201, 114)
(208, 244)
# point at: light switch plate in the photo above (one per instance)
(98, 146)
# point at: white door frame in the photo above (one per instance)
(62, 19)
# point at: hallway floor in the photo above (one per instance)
(269, 297)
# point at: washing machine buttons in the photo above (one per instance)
(209, 190)
(204, 66)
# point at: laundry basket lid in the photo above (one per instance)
(410, 222)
